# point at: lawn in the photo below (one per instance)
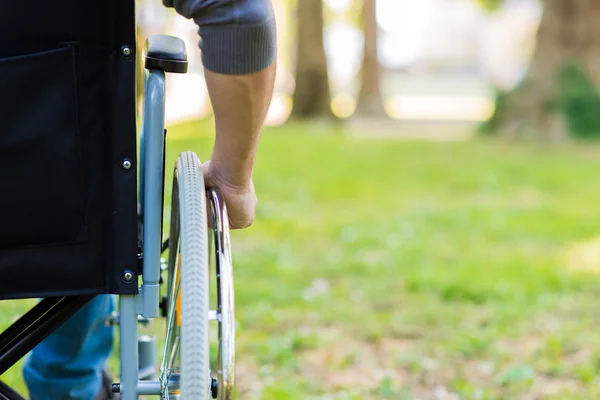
(389, 269)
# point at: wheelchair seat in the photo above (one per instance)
(68, 216)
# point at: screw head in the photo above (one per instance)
(126, 51)
(128, 275)
(126, 164)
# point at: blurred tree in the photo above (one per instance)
(312, 97)
(369, 98)
(558, 97)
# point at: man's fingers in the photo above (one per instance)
(240, 201)
(241, 224)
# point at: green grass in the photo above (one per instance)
(386, 269)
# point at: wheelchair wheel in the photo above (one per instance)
(185, 366)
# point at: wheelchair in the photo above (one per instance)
(67, 242)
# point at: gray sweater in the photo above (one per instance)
(236, 36)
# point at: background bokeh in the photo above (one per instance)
(440, 59)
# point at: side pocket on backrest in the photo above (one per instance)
(42, 199)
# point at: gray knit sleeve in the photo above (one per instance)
(236, 36)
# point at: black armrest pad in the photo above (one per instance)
(166, 53)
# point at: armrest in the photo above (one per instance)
(166, 53)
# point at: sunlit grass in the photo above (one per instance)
(391, 269)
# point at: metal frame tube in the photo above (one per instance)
(148, 388)
(19, 326)
(152, 145)
(33, 327)
(152, 154)
(128, 312)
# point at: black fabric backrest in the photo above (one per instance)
(67, 110)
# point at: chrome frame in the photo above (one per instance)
(146, 303)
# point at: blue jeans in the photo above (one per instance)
(68, 364)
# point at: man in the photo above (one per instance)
(238, 42)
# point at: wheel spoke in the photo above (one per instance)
(170, 358)
(173, 335)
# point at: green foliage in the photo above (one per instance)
(388, 389)
(451, 255)
(577, 98)
(580, 101)
(517, 374)
(490, 5)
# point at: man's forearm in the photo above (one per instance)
(239, 52)
(239, 49)
(240, 104)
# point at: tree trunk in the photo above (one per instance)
(369, 99)
(545, 104)
(312, 98)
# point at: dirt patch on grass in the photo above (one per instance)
(391, 366)
(356, 364)
(521, 348)
(402, 369)
(249, 384)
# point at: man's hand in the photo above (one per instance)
(240, 199)
(240, 104)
